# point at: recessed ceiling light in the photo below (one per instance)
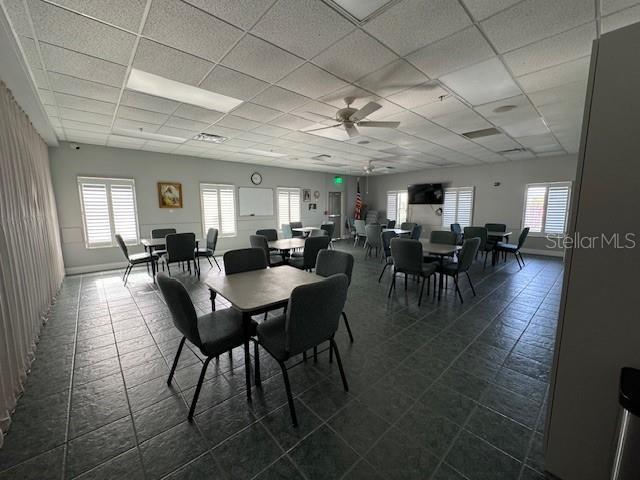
(504, 108)
(210, 138)
(125, 132)
(485, 132)
(146, 82)
(363, 142)
(264, 153)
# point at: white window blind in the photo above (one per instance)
(397, 206)
(218, 208)
(288, 205)
(546, 206)
(458, 206)
(108, 208)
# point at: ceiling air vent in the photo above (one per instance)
(486, 132)
(210, 138)
(513, 150)
(324, 156)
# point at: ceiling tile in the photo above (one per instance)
(46, 96)
(239, 123)
(223, 131)
(271, 130)
(197, 113)
(421, 95)
(30, 52)
(410, 122)
(463, 121)
(552, 51)
(87, 117)
(355, 56)
(18, 17)
(526, 127)
(620, 19)
(85, 104)
(243, 14)
(82, 136)
(128, 124)
(175, 132)
(610, 6)
(481, 9)
(87, 127)
(482, 83)
(316, 112)
(396, 76)
(311, 81)
(125, 142)
(170, 63)
(293, 122)
(186, 124)
(148, 102)
(412, 24)
(83, 88)
(540, 143)
(279, 98)
(65, 61)
(69, 30)
(123, 13)
(256, 112)
(189, 29)
(497, 143)
(261, 59)
(534, 20)
(234, 84)
(441, 107)
(304, 27)
(575, 71)
(451, 53)
(253, 137)
(138, 114)
(162, 147)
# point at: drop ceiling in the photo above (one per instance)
(440, 67)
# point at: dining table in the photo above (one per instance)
(440, 250)
(256, 292)
(306, 231)
(497, 236)
(397, 231)
(285, 245)
(151, 244)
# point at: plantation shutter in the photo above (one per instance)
(534, 207)
(449, 207)
(95, 209)
(392, 202)
(465, 207)
(218, 208)
(546, 207)
(123, 204)
(288, 205)
(556, 214)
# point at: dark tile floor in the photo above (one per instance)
(444, 391)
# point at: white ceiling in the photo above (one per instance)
(294, 61)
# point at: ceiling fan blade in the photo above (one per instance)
(365, 111)
(326, 117)
(352, 131)
(321, 128)
(379, 124)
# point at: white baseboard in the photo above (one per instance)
(545, 253)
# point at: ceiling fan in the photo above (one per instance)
(371, 168)
(349, 118)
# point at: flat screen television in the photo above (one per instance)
(426, 194)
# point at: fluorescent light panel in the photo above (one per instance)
(264, 153)
(147, 135)
(146, 82)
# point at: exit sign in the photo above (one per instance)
(338, 180)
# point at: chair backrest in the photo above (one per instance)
(270, 233)
(467, 253)
(318, 233)
(162, 232)
(244, 260)
(123, 246)
(295, 225)
(407, 226)
(476, 232)
(407, 255)
(331, 262)
(260, 241)
(314, 312)
(391, 224)
(455, 228)
(181, 307)
(373, 232)
(312, 247)
(329, 228)
(523, 237)
(359, 225)
(444, 237)
(495, 227)
(286, 230)
(385, 240)
(212, 239)
(181, 246)
(416, 232)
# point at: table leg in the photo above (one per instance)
(153, 265)
(441, 275)
(246, 321)
(212, 295)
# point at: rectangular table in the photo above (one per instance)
(286, 244)
(258, 291)
(498, 236)
(440, 250)
(398, 231)
(151, 244)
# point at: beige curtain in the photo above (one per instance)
(31, 267)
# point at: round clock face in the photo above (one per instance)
(316, 194)
(256, 178)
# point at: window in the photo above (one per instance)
(218, 209)
(458, 206)
(108, 208)
(288, 205)
(397, 206)
(546, 206)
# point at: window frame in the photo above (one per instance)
(396, 194)
(546, 185)
(108, 182)
(288, 189)
(218, 187)
(457, 191)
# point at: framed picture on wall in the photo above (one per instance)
(170, 194)
(306, 194)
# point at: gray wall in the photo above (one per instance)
(502, 204)
(147, 168)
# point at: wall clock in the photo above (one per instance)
(256, 178)
(316, 194)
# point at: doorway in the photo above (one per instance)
(335, 213)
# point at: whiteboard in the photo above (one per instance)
(256, 202)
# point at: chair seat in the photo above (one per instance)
(297, 262)
(275, 259)
(297, 254)
(220, 331)
(509, 247)
(271, 335)
(427, 269)
(144, 257)
(204, 252)
(450, 268)
(159, 252)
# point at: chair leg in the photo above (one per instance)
(330, 353)
(455, 280)
(168, 269)
(421, 291)
(315, 354)
(517, 260)
(334, 347)
(383, 270)
(393, 283)
(287, 386)
(256, 359)
(217, 264)
(124, 276)
(406, 278)
(209, 260)
(521, 257)
(194, 402)
(484, 265)
(175, 360)
(346, 324)
(470, 283)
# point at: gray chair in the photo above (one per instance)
(260, 241)
(270, 233)
(457, 229)
(465, 260)
(213, 334)
(443, 237)
(180, 248)
(210, 249)
(407, 226)
(494, 227)
(407, 258)
(134, 259)
(360, 231)
(332, 262)
(312, 247)
(481, 233)
(244, 260)
(312, 318)
(330, 229)
(391, 224)
(416, 232)
(161, 233)
(385, 240)
(515, 249)
(318, 233)
(286, 230)
(373, 239)
(296, 225)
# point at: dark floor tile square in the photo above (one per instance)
(279, 424)
(535, 457)
(385, 402)
(160, 416)
(225, 419)
(126, 465)
(521, 409)
(463, 382)
(359, 426)
(32, 469)
(445, 472)
(202, 467)
(480, 461)
(522, 384)
(431, 430)
(282, 469)
(363, 471)
(500, 431)
(453, 405)
(148, 393)
(213, 392)
(326, 398)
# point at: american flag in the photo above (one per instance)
(358, 210)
